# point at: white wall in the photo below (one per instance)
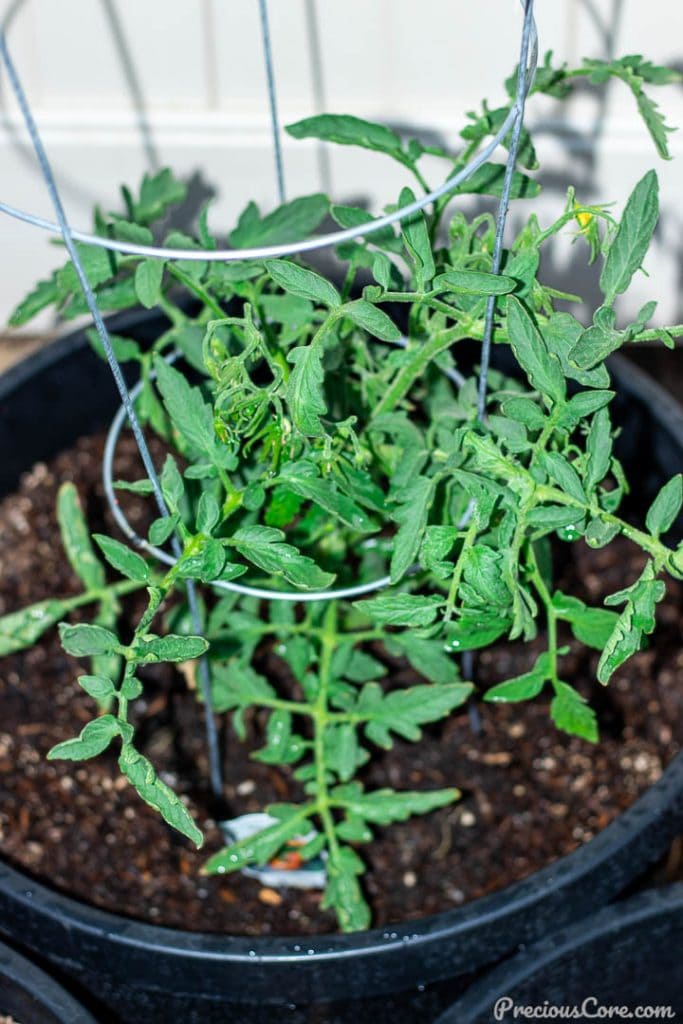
(198, 68)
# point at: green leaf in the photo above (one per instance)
(91, 741)
(346, 130)
(636, 621)
(563, 473)
(303, 282)
(301, 478)
(148, 278)
(570, 713)
(263, 546)
(208, 513)
(553, 517)
(664, 510)
(404, 711)
(472, 630)
(76, 538)
(257, 849)
(384, 806)
(597, 341)
(162, 528)
(592, 626)
(97, 264)
(371, 319)
(411, 516)
(401, 609)
(170, 648)
(157, 193)
(100, 688)
(523, 687)
(417, 241)
(141, 775)
(42, 296)
(172, 486)
(235, 685)
(21, 629)
(632, 239)
(288, 223)
(427, 657)
(598, 449)
(305, 389)
(489, 178)
(474, 282)
(190, 414)
(125, 561)
(541, 366)
(582, 405)
(84, 640)
(343, 893)
(525, 411)
(342, 752)
(283, 746)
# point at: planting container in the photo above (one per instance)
(409, 972)
(628, 955)
(29, 996)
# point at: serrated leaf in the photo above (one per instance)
(373, 320)
(236, 685)
(598, 449)
(564, 474)
(592, 626)
(666, 507)
(100, 688)
(301, 477)
(157, 193)
(142, 776)
(343, 754)
(597, 341)
(570, 713)
(525, 411)
(541, 366)
(303, 282)
(489, 178)
(172, 485)
(636, 621)
(474, 282)
(84, 640)
(404, 711)
(263, 545)
(305, 389)
(427, 657)
(92, 740)
(411, 515)
(170, 648)
(472, 630)
(288, 223)
(42, 296)
(632, 239)
(76, 538)
(257, 849)
(524, 687)
(191, 416)
(384, 806)
(346, 130)
(417, 241)
(125, 561)
(343, 893)
(401, 609)
(148, 279)
(162, 528)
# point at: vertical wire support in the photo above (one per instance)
(318, 83)
(272, 99)
(522, 87)
(53, 191)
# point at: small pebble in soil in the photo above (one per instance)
(270, 897)
(410, 879)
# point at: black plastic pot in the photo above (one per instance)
(628, 955)
(409, 973)
(30, 996)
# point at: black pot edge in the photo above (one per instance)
(656, 813)
(503, 980)
(40, 988)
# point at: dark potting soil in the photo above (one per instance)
(530, 793)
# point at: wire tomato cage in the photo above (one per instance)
(511, 126)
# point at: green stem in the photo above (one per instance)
(469, 540)
(551, 614)
(320, 722)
